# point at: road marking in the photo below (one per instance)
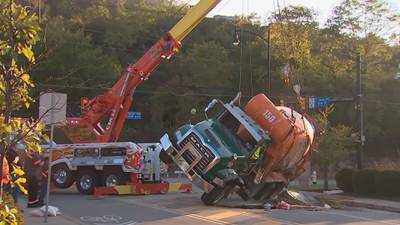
(225, 215)
(190, 209)
(198, 217)
(178, 212)
(215, 219)
(106, 220)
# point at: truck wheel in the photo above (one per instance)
(278, 187)
(113, 177)
(216, 195)
(243, 194)
(62, 176)
(86, 181)
(270, 191)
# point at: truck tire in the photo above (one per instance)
(243, 194)
(270, 191)
(278, 187)
(62, 176)
(86, 181)
(112, 177)
(216, 195)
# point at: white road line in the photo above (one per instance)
(198, 217)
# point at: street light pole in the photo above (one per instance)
(236, 42)
(360, 110)
(269, 59)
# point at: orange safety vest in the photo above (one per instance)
(5, 179)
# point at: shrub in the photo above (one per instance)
(344, 180)
(388, 183)
(364, 182)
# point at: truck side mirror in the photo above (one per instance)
(165, 142)
(236, 100)
(211, 105)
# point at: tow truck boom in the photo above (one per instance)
(113, 106)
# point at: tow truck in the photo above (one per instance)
(253, 151)
(87, 160)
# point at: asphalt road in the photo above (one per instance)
(184, 208)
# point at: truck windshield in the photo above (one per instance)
(236, 131)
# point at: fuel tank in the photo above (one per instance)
(291, 136)
(265, 113)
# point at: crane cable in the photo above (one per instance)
(250, 56)
(241, 49)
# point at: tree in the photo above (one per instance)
(291, 31)
(18, 34)
(365, 17)
(334, 144)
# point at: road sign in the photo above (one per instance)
(134, 116)
(314, 102)
(53, 108)
(311, 102)
(322, 101)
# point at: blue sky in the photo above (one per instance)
(265, 7)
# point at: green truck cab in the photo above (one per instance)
(215, 158)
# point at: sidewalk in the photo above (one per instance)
(355, 201)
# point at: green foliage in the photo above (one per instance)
(344, 180)
(364, 182)
(335, 142)
(71, 59)
(381, 183)
(18, 36)
(387, 183)
(18, 33)
(364, 17)
(86, 45)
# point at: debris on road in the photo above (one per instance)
(52, 211)
(281, 205)
(286, 200)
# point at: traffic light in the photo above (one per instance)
(84, 103)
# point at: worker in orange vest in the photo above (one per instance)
(43, 183)
(5, 179)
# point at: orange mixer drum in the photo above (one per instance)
(265, 113)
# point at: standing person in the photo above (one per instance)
(5, 181)
(43, 183)
(32, 167)
(314, 177)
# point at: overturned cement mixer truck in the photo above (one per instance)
(254, 152)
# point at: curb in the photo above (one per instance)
(358, 204)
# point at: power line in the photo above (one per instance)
(145, 91)
(383, 102)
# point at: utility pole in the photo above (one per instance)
(39, 12)
(360, 112)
